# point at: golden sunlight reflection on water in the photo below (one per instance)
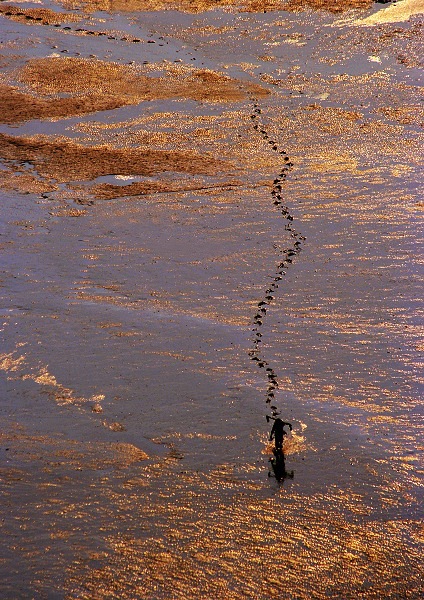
(135, 455)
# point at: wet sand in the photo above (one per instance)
(210, 217)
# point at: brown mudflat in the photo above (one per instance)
(65, 160)
(197, 6)
(95, 85)
(37, 15)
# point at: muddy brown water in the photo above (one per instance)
(215, 216)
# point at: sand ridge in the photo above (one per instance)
(197, 6)
(67, 86)
(74, 75)
(18, 106)
(37, 16)
(65, 160)
(395, 13)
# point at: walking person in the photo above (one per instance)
(278, 433)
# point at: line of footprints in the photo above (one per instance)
(287, 254)
(287, 257)
(13, 12)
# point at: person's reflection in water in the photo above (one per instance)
(278, 463)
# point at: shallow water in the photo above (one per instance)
(147, 332)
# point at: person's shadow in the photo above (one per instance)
(278, 466)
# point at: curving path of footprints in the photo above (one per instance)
(10, 11)
(287, 256)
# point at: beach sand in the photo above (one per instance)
(395, 13)
(210, 216)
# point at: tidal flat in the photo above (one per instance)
(211, 218)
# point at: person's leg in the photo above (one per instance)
(279, 443)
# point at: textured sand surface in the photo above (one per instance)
(209, 218)
(395, 13)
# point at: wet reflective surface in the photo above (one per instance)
(209, 218)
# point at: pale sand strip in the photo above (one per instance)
(394, 13)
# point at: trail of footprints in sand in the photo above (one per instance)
(287, 256)
(37, 20)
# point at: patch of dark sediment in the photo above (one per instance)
(107, 191)
(333, 6)
(95, 85)
(197, 6)
(18, 106)
(20, 180)
(37, 16)
(64, 161)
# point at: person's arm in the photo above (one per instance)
(271, 435)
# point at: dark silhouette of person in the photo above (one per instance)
(278, 433)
